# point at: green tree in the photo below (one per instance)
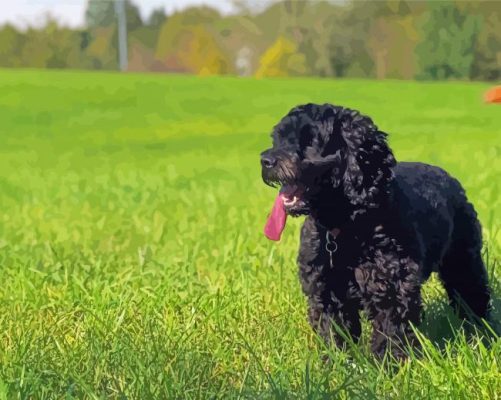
(487, 52)
(349, 52)
(64, 47)
(133, 15)
(157, 18)
(99, 13)
(376, 39)
(449, 36)
(11, 44)
(315, 32)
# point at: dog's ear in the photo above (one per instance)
(369, 161)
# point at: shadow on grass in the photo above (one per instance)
(441, 324)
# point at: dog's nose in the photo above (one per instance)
(268, 161)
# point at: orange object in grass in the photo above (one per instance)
(493, 95)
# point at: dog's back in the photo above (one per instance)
(426, 198)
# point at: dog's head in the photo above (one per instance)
(323, 152)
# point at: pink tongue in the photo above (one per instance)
(276, 221)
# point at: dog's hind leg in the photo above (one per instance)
(462, 270)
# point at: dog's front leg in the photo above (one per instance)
(390, 288)
(333, 296)
(329, 316)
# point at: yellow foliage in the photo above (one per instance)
(188, 47)
(101, 44)
(281, 59)
(202, 55)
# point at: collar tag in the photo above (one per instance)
(331, 244)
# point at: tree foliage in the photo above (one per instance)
(99, 14)
(487, 53)
(282, 59)
(11, 45)
(186, 44)
(449, 37)
(399, 39)
(157, 18)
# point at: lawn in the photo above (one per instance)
(132, 259)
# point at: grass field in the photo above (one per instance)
(132, 260)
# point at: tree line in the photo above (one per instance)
(402, 39)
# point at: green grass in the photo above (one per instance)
(132, 260)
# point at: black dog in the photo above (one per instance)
(375, 228)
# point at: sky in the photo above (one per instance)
(71, 12)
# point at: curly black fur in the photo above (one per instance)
(397, 223)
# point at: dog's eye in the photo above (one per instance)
(305, 137)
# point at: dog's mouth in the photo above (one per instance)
(292, 196)
(290, 201)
